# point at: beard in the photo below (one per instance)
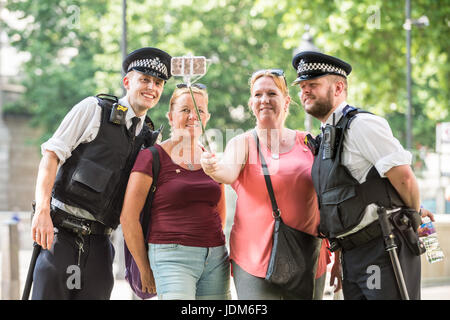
(321, 106)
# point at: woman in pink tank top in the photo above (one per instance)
(289, 162)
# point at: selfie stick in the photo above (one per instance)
(188, 72)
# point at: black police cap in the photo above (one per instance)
(151, 61)
(310, 65)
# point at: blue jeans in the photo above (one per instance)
(188, 273)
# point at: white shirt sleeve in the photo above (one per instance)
(372, 137)
(80, 125)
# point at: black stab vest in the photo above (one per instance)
(95, 177)
(342, 199)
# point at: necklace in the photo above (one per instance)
(282, 146)
(180, 159)
(276, 152)
(190, 166)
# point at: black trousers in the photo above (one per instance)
(368, 272)
(75, 268)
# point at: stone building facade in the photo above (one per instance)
(19, 157)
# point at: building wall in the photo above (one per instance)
(4, 165)
(21, 161)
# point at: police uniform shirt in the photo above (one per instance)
(81, 125)
(369, 142)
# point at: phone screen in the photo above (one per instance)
(188, 66)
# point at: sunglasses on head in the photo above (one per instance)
(276, 72)
(200, 86)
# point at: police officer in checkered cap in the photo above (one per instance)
(151, 61)
(82, 180)
(358, 166)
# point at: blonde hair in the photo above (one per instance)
(280, 81)
(180, 91)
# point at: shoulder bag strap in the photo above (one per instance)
(148, 202)
(275, 211)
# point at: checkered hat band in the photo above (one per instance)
(154, 64)
(302, 67)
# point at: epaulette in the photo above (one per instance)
(106, 99)
(351, 112)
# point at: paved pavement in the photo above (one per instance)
(436, 293)
(121, 290)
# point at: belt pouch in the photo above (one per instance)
(404, 225)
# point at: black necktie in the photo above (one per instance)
(132, 129)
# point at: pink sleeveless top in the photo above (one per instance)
(251, 234)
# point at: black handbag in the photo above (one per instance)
(294, 256)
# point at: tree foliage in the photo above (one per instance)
(239, 36)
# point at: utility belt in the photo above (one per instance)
(405, 221)
(62, 219)
(363, 236)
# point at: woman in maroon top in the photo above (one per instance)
(187, 253)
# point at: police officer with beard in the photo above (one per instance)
(82, 180)
(359, 166)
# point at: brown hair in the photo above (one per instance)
(335, 78)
